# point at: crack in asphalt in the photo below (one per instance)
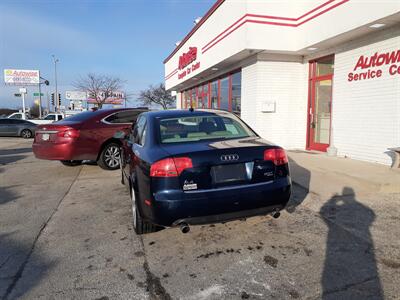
(322, 217)
(5, 261)
(21, 269)
(154, 286)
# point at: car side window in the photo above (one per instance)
(129, 116)
(50, 117)
(138, 130)
(143, 136)
(15, 121)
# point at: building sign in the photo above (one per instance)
(187, 62)
(75, 95)
(21, 77)
(371, 67)
(115, 98)
(187, 58)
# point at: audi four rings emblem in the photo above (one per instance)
(229, 157)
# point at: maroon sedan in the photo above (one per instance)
(85, 136)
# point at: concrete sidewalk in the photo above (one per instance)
(327, 176)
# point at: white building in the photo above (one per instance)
(301, 73)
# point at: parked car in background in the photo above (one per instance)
(18, 115)
(49, 118)
(85, 136)
(203, 166)
(16, 127)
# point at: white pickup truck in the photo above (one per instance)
(50, 118)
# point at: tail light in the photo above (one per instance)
(277, 156)
(70, 133)
(170, 167)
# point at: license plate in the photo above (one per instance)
(228, 173)
(45, 136)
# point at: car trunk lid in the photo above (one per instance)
(57, 133)
(217, 164)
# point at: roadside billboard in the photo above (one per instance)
(21, 77)
(75, 95)
(115, 98)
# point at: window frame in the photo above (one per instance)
(114, 113)
(137, 137)
(200, 89)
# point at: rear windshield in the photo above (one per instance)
(81, 116)
(197, 128)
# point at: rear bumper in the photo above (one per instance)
(59, 151)
(170, 208)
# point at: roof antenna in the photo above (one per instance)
(191, 109)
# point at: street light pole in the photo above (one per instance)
(46, 82)
(55, 60)
(40, 100)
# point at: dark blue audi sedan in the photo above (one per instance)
(187, 167)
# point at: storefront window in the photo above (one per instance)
(236, 92)
(194, 98)
(186, 99)
(214, 94)
(224, 94)
(205, 95)
(324, 66)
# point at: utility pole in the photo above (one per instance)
(23, 92)
(48, 102)
(40, 99)
(46, 82)
(55, 60)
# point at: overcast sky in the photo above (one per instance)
(125, 38)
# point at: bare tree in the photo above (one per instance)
(157, 95)
(99, 87)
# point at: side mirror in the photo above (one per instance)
(119, 135)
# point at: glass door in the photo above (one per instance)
(320, 104)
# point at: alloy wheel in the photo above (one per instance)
(26, 134)
(112, 156)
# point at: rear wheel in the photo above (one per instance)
(110, 157)
(71, 163)
(26, 134)
(139, 225)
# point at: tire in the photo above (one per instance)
(139, 225)
(120, 166)
(110, 157)
(26, 134)
(122, 178)
(71, 163)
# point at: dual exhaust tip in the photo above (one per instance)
(185, 228)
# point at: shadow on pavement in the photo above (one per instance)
(5, 160)
(15, 151)
(14, 256)
(7, 194)
(301, 182)
(350, 269)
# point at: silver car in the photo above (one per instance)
(15, 127)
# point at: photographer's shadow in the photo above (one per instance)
(350, 269)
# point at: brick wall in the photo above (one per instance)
(366, 113)
(284, 83)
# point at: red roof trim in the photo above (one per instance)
(203, 19)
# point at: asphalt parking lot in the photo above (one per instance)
(66, 233)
